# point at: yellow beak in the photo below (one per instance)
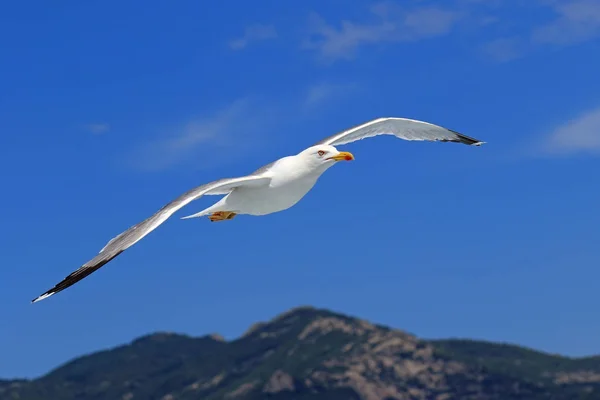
(343, 155)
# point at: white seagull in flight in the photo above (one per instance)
(272, 188)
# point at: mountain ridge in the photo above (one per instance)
(312, 353)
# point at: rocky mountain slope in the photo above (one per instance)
(312, 354)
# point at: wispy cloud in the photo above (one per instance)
(576, 21)
(505, 49)
(97, 128)
(578, 136)
(245, 125)
(236, 127)
(253, 33)
(388, 22)
(505, 30)
(571, 22)
(319, 93)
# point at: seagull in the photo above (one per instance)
(275, 187)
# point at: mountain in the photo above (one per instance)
(313, 354)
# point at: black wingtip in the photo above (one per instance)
(43, 296)
(78, 275)
(467, 139)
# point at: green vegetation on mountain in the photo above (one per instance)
(515, 360)
(312, 354)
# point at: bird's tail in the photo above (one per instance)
(218, 206)
(200, 214)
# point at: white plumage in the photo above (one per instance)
(272, 188)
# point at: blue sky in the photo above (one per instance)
(108, 110)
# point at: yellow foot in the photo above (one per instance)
(221, 216)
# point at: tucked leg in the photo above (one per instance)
(221, 216)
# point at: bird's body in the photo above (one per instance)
(272, 188)
(290, 180)
(279, 195)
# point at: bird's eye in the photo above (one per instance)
(320, 153)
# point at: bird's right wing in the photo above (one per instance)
(402, 128)
(134, 234)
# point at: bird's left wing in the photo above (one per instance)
(402, 128)
(134, 234)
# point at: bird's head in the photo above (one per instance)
(324, 156)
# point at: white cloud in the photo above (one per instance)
(320, 93)
(253, 33)
(504, 49)
(580, 135)
(389, 23)
(505, 30)
(571, 22)
(237, 129)
(577, 21)
(97, 128)
(234, 128)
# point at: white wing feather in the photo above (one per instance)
(131, 236)
(402, 128)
